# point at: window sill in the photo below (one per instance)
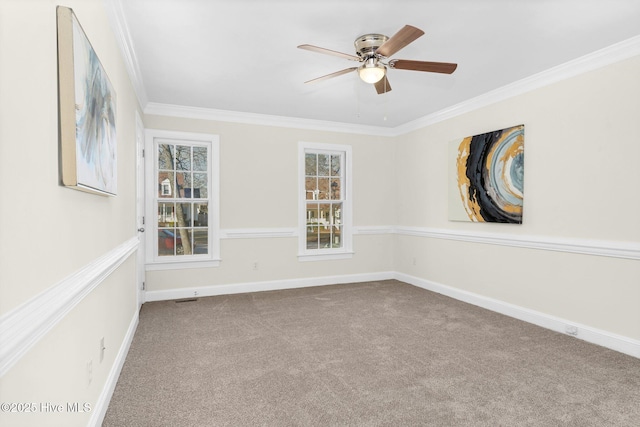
(180, 265)
(325, 256)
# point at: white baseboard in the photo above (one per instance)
(238, 288)
(100, 409)
(595, 336)
(606, 339)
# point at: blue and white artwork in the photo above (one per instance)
(95, 110)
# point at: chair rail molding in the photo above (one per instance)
(24, 326)
(258, 233)
(606, 248)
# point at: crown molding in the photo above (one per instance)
(617, 52)
(598, 59)
(183, 111)
(123, 38)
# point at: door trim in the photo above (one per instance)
(140, 211)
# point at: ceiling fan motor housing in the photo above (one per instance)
(367, 44)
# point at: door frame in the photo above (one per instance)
(140, 212)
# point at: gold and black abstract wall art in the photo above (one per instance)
(486, 175)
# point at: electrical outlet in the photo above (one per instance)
(255, 265)
(102, 349)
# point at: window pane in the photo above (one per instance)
(336, 211)
(201, 211)
(335, 189)
(310, 160)
(324, 161)
(165, 156)
(325, 238)
(166, 242)
(200, 186)
(166, 214)
(183, 185)
(312, 237)
(336, 237)
(312, 213)
(183, 214)
(165, 184)
(311, 187)
(183, 158)
(335, 165)
(200, 238)
(199, 158)
(323, 187)
(183, 242)
(325, 214)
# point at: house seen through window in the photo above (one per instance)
(323, 184)
(325, 205)
(182, 199)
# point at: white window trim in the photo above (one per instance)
(346, 251)
(212, 259)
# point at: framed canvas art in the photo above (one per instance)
(486, 177)
(87, 112)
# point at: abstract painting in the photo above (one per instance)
(486, 175)
(87, 112)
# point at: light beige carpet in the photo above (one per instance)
(365, 354)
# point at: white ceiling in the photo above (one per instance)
(241, 55)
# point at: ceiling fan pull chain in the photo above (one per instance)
(386, 101)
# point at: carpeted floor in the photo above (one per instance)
(365, 354)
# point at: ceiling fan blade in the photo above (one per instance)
(328, 76)
(328, 52)
(406, 35)
(382, 86)
(432, 67)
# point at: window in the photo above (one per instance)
(324, 208)
(182, 209)
(165, 188)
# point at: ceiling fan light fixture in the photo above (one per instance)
(371, 71)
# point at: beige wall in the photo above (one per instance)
(582, 145)
(49, 232)
(581, 151)
(259, 189)
(581, 171)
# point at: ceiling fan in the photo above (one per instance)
(373, 51)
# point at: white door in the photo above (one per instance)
(140, 206)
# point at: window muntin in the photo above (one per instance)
(183, 213)
(182, 203)
(324, 201)
(323, 178)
